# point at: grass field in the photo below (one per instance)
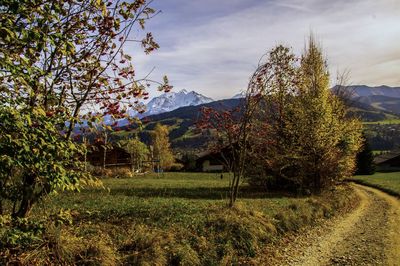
(171, 219)
(384, 122)
(389, 182)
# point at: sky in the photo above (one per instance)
(213, 46)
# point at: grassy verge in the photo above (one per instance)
(384, 122)
(170, 219)
(388, 182)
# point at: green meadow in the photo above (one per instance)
(169, 219)
(389, 182)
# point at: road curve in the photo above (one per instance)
(369, 235)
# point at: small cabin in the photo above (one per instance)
(388, 161)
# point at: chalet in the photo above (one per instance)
(110, 157)
(210, 161)
(388, 161)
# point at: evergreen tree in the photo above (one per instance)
(365, 160)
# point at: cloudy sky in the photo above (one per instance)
(213, 46)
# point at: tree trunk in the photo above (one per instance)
(24, 208)
(234, 189)
(27, 198)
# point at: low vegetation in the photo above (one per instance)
(388, 182)
(163, 219)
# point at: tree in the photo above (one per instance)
(272, 140)
(242, 131)
(309, 142)
(291, 126)
(325, 138)
(189, 161)
(35, 158)
(365, 159)
(161, 147)
(138, 151)
(59, 58)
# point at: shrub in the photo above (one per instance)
(120, 172)
(176, 167)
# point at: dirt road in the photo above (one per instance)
(370, 235)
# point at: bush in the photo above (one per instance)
(115, 172)
(98, 171)
(120, 172)
(176, 167)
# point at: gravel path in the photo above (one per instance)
(370, 235)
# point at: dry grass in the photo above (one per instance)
(170, 219)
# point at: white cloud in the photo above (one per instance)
(217, 52)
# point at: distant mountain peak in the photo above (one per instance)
(169, 101)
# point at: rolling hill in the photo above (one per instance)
(371, 105)
(366, 91)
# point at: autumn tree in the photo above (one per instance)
(59, 59)
(292, 128)
(309, 141)
(139, 152)
(161, 147)
(272, 139)
(326, 138)
(241, 132)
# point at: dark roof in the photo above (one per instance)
(386, 156)
(205, 153)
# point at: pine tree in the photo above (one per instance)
(365, 160)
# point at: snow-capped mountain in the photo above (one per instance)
(174, 100)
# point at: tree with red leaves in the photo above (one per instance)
(57, 59)
(239, 130)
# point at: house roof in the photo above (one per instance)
(204, 153)
(386, 156)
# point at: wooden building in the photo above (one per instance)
(110, 157)
(388, 161)
(210, 161)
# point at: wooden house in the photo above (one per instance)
(109, 157)
(388, 161)
(212, 161)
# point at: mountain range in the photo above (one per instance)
(367, 91)
(382, 98)
(370, 104)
